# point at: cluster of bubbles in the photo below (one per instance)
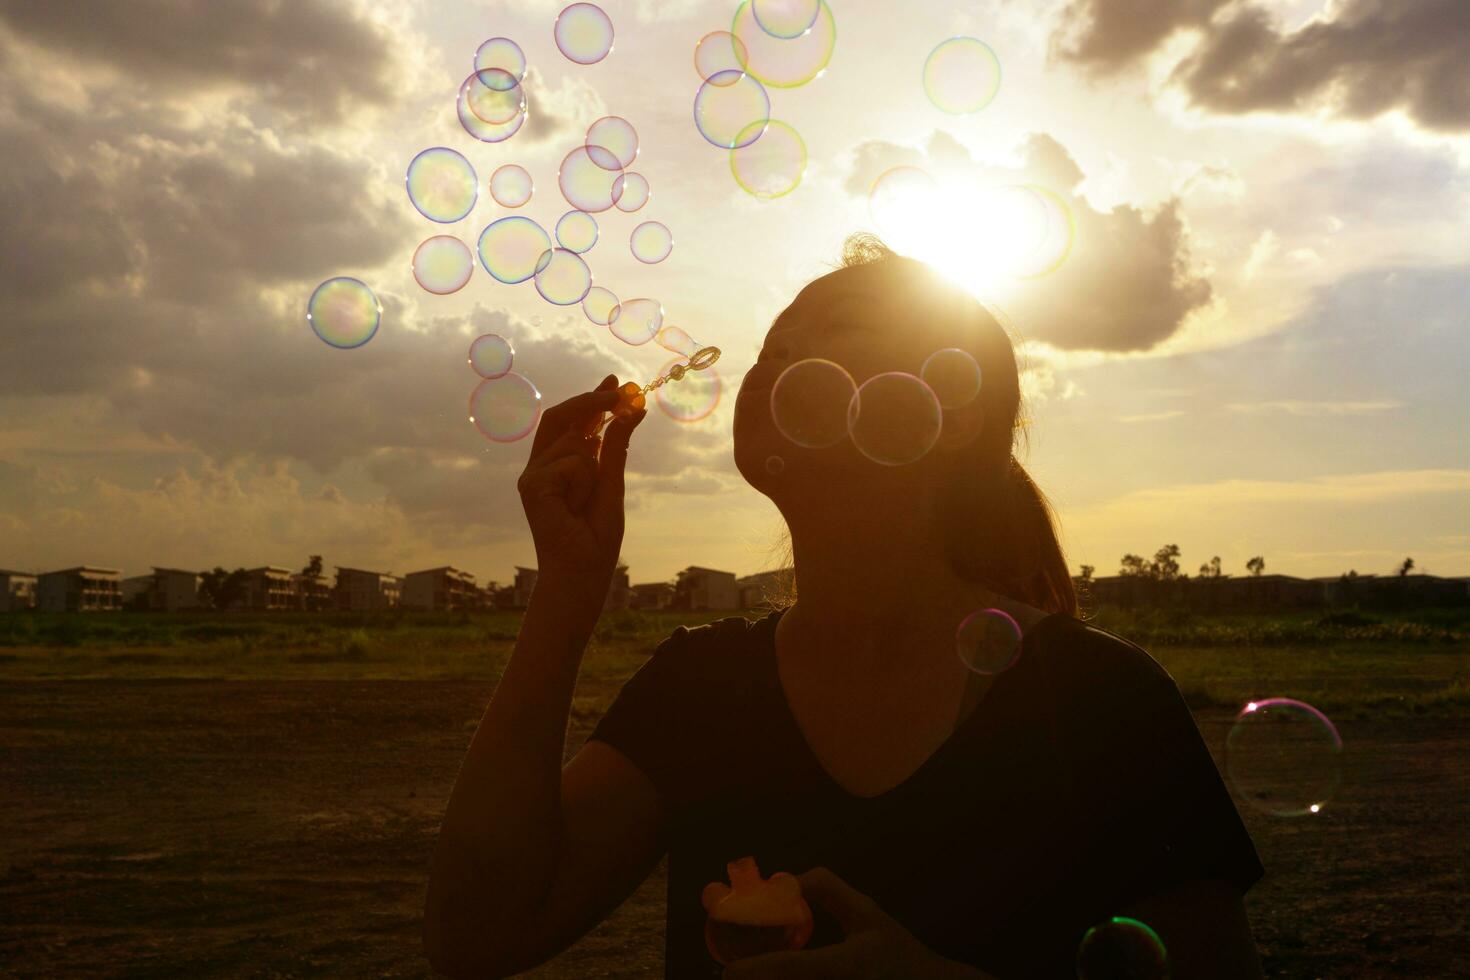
(505, 406)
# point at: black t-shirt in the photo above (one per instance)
(1077, 786)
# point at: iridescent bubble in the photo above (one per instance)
(1284, 757)
(576, 230)
(630, 191)
(775, 465)
(496, 106)
(511, 247)
(502, 62)
(1056, 239)
(344, 312)
(562, 277)
(651, 242)
(895, 418)
(785, 18)
(442, 264)
(677, 339)
(506, 408)
(617, 137)
(637, 321)
(1122, 949)
(585, 185)
(961, 75)
(988, 641)
(583, 33)
(719, 51)
(511, 186)
(782, 62)
(600, 305)
(953, 375)
(441, 184)
(731, 107)
(491, 355)
(690, 398)
(477, 127)
(906, 205)
(769, 166)
(809, 402)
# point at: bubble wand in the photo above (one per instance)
(631, 399)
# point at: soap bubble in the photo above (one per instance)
(442, 264)
(511, 185)
(690, 398)
(782, 62)
(506, 408)
(501, 62)
(600, 305)
(612, 143)
(809, 402)
(775, 465)
(584, 33)
(630, 191)
(490, 104)
(585, 185)
(1058, 234)
(717, 52)
(1284, 757)
(772, 165)
(988, 641)
(895, 418)
(1122, 949)
(785, 18)
(477, 127)
(491, 355)
(576, 230)
(637, 321)
(677, 339)
(562, 277)
(441, 184)
(731, 109)
(344, 312)
(961, 75)
(953, 375)
(651, 242)
(511, 247)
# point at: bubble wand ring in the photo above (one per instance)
(632, 395)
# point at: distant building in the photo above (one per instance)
(1395, 590)
(651, 595)
(162, 590)
(524, 585)
(135, 591)
(81, 589)
(17, 591)
(267, 589)
(359, 590)
(761, 590)
(705, 588)
(312, 593)
(444, 588)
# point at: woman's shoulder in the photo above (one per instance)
(1085, 654)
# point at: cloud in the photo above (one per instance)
(1376, 487)
(1360, 59)
(1316, 408)
(569, 108)
(1172, 413)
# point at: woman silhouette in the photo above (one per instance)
(944, 821)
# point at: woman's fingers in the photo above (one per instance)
(573, 413)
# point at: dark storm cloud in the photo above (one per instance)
(1369, 57)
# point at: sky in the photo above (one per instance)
(1257, 345)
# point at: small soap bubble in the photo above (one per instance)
(637, 321)
(600, 305)
(651, 242)
(961, 75)
(477, 127)
(441, 184)
(953, 375)
(1122, 949)
(344, 312)
(490, 104)
(718, 52)
(988, 641)
(616, 138)
(577, 231)
(584, 33)
(491, 355)
(442, 264)
(895, 418)
(562, 277)
(731, 109)
(676, 339)
(585, 185)
(775, 465)
(809, 402)
(690, 398)
(771, 164)
(505, 408)
(784, 62)
(511, 247)
(501, 62)
(630, 191)
(785, 19)
(1284, 757)
(511, 185)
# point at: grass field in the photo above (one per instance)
(162, 821)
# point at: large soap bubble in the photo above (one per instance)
(562, 277)
(637, 321)
(585, 185)
(491, 355)
(953, 375)
(809, 402)
(490, 104)
(511, 248)
(630, 191)
(442, 184)
(961, 75)
(601, 305)
(784, 62)
(719, 51)
(770, 166)
(584, 33)
(692, 397)
(505, 408)
(1284, 757)
(501, 62)
(477, 127)
(344, 312)
(651, 242)
(511, 186)
(612, 143)
(895, 418)
(442, 264)
(576, 230)
(731, 109)
(988, 641)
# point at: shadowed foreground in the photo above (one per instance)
(284, 828)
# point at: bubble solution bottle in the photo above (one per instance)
(754, 915)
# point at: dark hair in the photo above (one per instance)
(1004, 532)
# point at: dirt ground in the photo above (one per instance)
(284, 829)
